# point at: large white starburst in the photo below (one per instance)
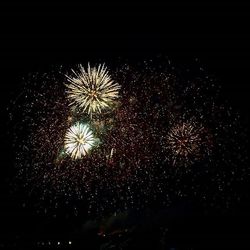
(92, 90)
(79, 139)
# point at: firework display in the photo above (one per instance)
(187, 142)
(161, 137)
(92, 90)
(79, 140)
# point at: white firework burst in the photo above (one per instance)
(92, 90)
(79, 139)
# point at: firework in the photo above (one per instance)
(186, 142)
(93, 90)
(79, 139)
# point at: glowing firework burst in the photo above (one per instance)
(93, 90)
(185, 141)
(79, 139)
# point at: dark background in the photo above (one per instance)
(34, 36)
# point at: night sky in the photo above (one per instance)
(39, 37)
